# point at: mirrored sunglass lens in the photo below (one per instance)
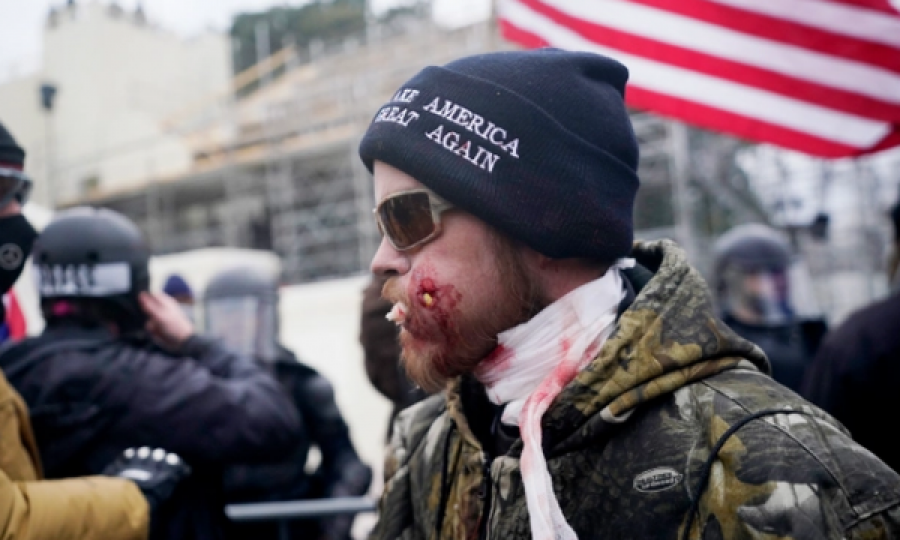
(406, 218)
(8, 187)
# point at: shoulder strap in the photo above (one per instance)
(707, 466)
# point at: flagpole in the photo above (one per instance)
(493, 29)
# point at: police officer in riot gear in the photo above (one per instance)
(752, 285)
(118, 368)
(241, 307)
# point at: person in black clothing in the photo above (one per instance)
(118, 367)
(856, 374)
(893, 265)
(752, 286)
(241, 308)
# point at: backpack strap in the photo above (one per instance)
(706, 471)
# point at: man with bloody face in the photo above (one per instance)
(587, 388)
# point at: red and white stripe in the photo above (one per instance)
(15, 317)
(818, 76)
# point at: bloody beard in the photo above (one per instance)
(442, 337)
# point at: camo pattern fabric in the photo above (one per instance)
(630, 444)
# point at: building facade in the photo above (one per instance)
(118, 80)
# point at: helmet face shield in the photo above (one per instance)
(753, 274)
(234, 321)
(758, 295)
(240, 307)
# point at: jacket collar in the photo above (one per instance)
(667, 337)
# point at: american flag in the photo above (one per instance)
(15, 326)
(817, 76)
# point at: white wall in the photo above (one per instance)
(320, 322)
(119, 83)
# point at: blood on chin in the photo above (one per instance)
(438, 344)
(432, 363)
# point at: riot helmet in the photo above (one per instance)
(240, 307)
(751, 275)
(92, 258)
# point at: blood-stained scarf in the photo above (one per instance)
(529, 368)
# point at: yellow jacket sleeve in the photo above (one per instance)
(89, 508)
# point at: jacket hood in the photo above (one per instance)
(667, 338)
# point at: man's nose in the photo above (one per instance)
(388, 261)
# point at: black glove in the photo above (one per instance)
(156, 472)
(354, 480)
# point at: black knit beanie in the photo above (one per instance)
(11, 154)
(537, 144)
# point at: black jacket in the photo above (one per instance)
(856, 377)
(340, 472)
(92, 395)
(790, 348)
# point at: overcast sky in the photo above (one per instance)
(23, 21)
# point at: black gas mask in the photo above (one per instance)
(16, 238)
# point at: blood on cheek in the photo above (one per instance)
(427, 292)
(439, 302)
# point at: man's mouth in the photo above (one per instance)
(397, 314)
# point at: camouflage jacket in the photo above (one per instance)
(673, 431)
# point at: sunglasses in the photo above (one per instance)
(410, 218)
(14, 184)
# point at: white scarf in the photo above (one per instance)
(529, 368)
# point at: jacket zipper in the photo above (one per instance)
(484, 493)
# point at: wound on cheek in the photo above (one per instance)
(439, 301)
(427, 292)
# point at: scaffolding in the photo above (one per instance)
(277, 169)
